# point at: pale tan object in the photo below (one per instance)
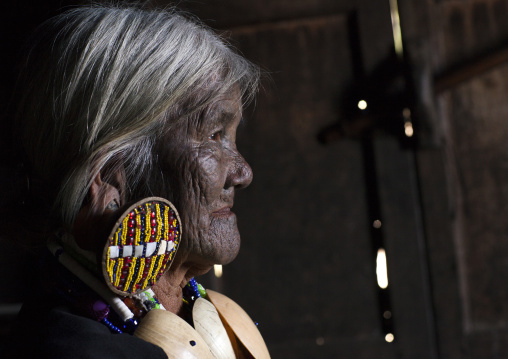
(238, 322)
(208, 324)
(173, 334)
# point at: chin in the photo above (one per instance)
(221, 251)
(229, 254)
(216, 245)
(222, 244)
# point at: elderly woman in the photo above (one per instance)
(128, 123)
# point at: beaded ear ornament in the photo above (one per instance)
(141, 246)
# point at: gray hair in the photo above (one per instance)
(103, 82)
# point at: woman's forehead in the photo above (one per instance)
(226, 108)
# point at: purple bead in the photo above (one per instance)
(100, 310)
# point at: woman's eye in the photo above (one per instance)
(216, 136)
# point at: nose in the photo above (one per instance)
(239, 172)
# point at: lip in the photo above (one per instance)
(223, 212)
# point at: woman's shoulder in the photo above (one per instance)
(58, 333)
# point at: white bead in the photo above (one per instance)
(127, 251)
(138, 251)
(113, 252)
(171, 245)
(150, 248)
(162, 247)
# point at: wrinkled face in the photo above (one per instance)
(204, 168)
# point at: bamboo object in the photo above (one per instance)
(173, 334)
(237, 321)
(208, 324)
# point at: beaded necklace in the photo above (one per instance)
(138, 251)
(75, 290)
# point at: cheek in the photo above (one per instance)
(196, 178)
(210, 175)
(195, 190)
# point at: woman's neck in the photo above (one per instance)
(169, 288)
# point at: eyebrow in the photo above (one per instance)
(223, 115)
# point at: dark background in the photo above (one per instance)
(306, 271)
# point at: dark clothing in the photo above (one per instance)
(57, 333)
(50, 324)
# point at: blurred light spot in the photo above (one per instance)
(397, 33)
(217, 270)
(381, 271)
(320, 341)
(389, 337)
(387, 314)
(362, 104)
(377, 223)
(408, 128)
(406, 113)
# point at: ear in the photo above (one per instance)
(93, 222)
(104, 197)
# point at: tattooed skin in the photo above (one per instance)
(204, 169)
